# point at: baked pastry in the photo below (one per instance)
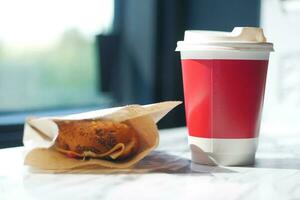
(96, 139)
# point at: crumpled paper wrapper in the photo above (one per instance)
(40, 134)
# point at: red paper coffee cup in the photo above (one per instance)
(224, 76)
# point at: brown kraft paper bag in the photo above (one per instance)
(40, 134)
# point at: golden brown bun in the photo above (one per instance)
(95, 138)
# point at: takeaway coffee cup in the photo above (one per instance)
(224, 76)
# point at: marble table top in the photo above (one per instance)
(165, 174)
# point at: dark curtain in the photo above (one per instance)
(146, 68)
(171, 18)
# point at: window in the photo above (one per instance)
(47, 52)
(280, 20)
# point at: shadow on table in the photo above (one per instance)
(173, 164)
(277, 163)
(155, 162)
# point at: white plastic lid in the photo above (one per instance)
(241, 38)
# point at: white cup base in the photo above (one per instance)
(226, 152)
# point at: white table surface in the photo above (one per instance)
(276, 175)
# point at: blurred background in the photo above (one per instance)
(62, 57)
